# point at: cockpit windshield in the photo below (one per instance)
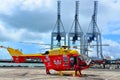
(86, 59)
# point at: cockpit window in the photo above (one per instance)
(65, 59)
(86, 59)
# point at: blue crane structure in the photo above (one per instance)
(75, 36)
(58, 35)
(93, 35)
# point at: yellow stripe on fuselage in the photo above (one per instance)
(62, 51)
(32, 54)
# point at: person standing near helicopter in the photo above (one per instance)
(79, 65)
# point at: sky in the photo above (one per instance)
(33, 21)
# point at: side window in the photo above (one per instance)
(72, 59)
(65, 59)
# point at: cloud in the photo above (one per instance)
(4, 54)
(40, 15)
(112, 50)
(34, 15)
(7, 7)
(108, 15)
(13, 34)
(32, 5)
(33, 21)
(117, 32)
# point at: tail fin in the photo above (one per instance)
(14, 52)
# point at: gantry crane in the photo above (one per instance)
(75, 36)
(93, 35)
(58, 35)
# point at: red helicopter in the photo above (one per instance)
(61, 59)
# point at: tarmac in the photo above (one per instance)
(38, 73)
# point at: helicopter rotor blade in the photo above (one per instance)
(100, 45)
(2, 46)
(76, 47)
(34, 43)
(39, 43)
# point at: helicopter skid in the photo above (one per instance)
(71, 73)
